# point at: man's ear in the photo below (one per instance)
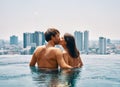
(52, 37)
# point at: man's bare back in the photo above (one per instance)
(46, 57)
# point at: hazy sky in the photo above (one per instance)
(99, 17)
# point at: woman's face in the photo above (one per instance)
(62, 41)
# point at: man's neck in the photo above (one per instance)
(50, 44)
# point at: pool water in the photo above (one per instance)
(98, 71)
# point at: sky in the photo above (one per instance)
(99, 17)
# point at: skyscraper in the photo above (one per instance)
(27, 39)
(79, 40)
(108, 41)
(43, 38)
(36, 38)
(86, 41)
(13, 40)
(102, 45)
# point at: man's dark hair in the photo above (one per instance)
(50, 32)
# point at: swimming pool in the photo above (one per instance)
(98, 71)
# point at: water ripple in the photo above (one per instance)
(5, 77)
(13, 63)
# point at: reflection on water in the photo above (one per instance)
(56, 78)
(98, 71)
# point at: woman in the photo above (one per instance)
(71, 54)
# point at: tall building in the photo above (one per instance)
(108, 41)
(43, 38)
(2, 43)
(13, 40)
(27, 39)
(79, 40)
(86, 41)
(102, 45)
(36, 38)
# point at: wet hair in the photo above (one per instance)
(71, 45)
(49, 33)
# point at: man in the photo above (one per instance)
(47, 56)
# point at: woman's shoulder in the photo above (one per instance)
(65, 54)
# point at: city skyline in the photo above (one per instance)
(99, 17)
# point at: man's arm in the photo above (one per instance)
(60, 60)
(33, 60)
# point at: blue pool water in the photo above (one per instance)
(98, 71)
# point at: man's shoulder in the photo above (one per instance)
(43, 46)
(40, 47)
(55, 50)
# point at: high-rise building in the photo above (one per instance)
(36, 38)
(102, 45)
(86, 41)
(43, 38)
(2, 43)
(108, 41)
(13, 40)
(79, 40)
(27, 39)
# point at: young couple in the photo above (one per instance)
(49, 57)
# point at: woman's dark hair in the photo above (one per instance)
(50, 32)
(71, 46)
